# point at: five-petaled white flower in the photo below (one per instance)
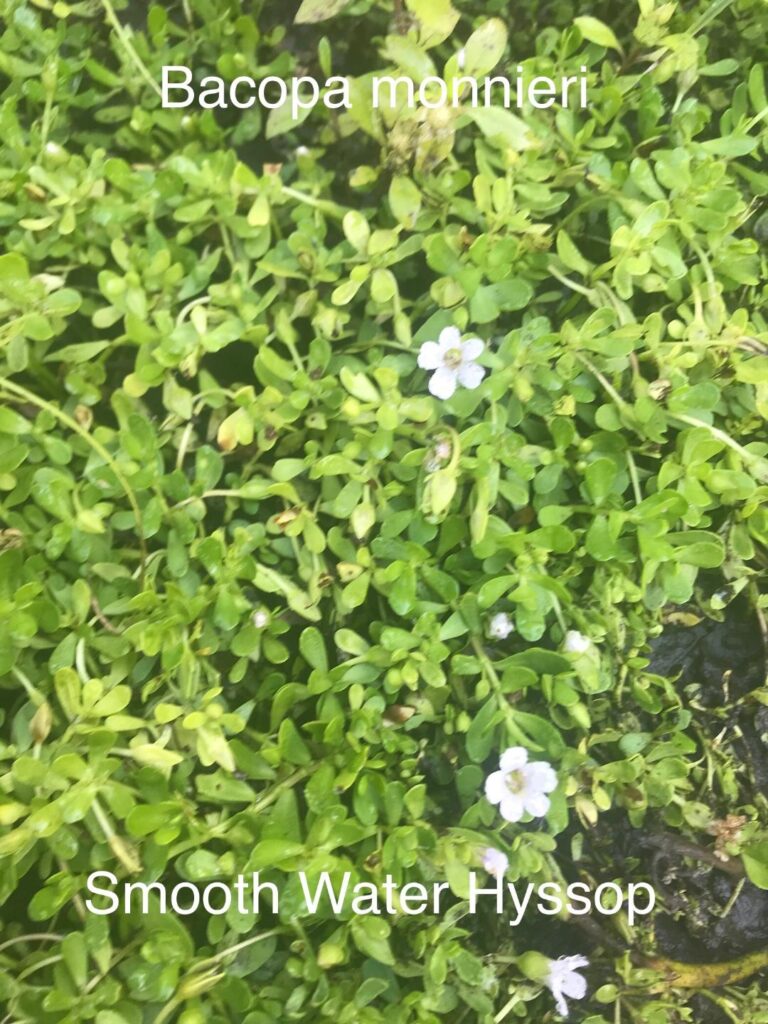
(576, 643)
(495, 862)
(520, 787)
(562, 980)
(453, 361)
(260, 618)
(500, 626)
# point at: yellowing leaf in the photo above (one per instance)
(155, 756)
(485, 48)
(258, 215)
(212, 747)
(312, 11)
(596, 31)
(234, 430)
(437, 17)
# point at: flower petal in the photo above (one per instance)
(471, 349)
(513, 759)
(470, 375)
(495, 787)
(500, 626)
(536, 804)
(442, 383)
(541, 776)
(576, 643)
(574, 963)
(430, 356)
(450, 337)
(511, 807)
(574, 985)
(495, 862)
(562, 1006)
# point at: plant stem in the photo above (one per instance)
(124, 38)
(758, 464)
(213, 960)
(32, 937)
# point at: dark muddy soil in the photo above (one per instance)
(716, 665)
(723, 660)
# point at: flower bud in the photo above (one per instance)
(534, 965)
(41, 723)
(576, 643)
(500, 626)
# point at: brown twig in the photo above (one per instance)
(102, 617)
(683, 848)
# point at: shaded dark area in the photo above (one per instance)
(712, 913)
(724, 660)
(718, 664)
(712, 929)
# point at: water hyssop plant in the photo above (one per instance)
(383, 512)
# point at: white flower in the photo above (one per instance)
(52, 148)
(302, 151)
(500, 626)
(575, 642)
(519, 787)
(562, 980)
(461, 59)
(440, 453)
(443, 449)
(260, 619)
(495, 862)
(453, 361)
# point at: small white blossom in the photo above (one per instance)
(52, 148)
(302, 151)
(453, 361)
(438, 454)
(495, 862)
(500, 626)
(260, 619)
(443, 449)
(562, 980)
(461, 59)
(575, 642)
(520, 787)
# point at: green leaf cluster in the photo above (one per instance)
(248, 562)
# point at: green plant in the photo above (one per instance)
(249, 564)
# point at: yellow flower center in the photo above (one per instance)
(515, 782)
(452, 358)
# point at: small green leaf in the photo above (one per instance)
(596, 31)
(485, 48)
(312, 647)
(312, 11)
(404, 200)
(755, 858)
(292, 747)
(371, 936)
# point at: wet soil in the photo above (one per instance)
(711, 913)
(718, 664)
(723, 659)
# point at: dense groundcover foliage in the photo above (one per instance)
(257, 582)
